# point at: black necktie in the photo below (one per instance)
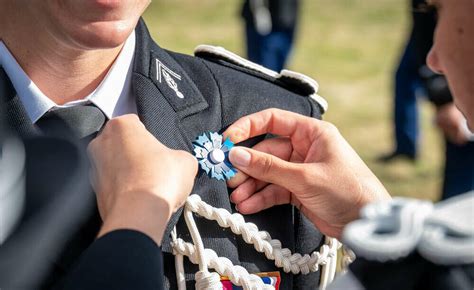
(80, 122)
(73, 123)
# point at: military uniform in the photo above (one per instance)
(179, 97)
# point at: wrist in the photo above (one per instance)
(376, 192)
(145, 213)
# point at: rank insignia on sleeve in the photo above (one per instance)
(213, 155)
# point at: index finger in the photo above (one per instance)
(273, 121)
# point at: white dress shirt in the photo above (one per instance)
(113, 96)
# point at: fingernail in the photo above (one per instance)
(239, 157)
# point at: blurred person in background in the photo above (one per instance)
(270, 27)
(413, 75)
(405, 116)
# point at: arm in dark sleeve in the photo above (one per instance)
(123, 259)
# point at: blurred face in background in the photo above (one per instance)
(83, 24)
(453, 51)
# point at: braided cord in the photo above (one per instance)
(262, 242)
(237, 274)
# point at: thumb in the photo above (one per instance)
(265, 167)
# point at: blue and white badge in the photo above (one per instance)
(213, 155)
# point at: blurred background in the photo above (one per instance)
(352, 48)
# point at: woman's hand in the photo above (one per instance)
(310, 166)
(139, 182)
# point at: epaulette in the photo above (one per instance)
(293, 81)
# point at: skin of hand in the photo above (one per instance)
(449, 119)
(139, 182)
(309, 165)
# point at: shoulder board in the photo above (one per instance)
(298, 81)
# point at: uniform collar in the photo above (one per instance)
(168, 75)
(159, 105)
(112, 91)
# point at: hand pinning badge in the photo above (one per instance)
(213, 155)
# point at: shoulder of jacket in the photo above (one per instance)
(293, 81)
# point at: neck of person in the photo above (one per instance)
(63, 72)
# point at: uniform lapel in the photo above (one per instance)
(12, 107)
(164, 96)
(164, 92)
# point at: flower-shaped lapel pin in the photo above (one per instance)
(213, 155)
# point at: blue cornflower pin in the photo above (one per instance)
(213, 155)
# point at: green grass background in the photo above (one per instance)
(351, 47)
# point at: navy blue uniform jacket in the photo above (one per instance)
(216, 93)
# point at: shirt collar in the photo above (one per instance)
(111, 92)
(34, 101)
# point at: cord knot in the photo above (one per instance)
(208, 281)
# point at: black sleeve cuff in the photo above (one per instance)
(122, 259)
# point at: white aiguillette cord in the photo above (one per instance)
(262, 242)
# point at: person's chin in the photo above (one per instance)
(103, 35)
